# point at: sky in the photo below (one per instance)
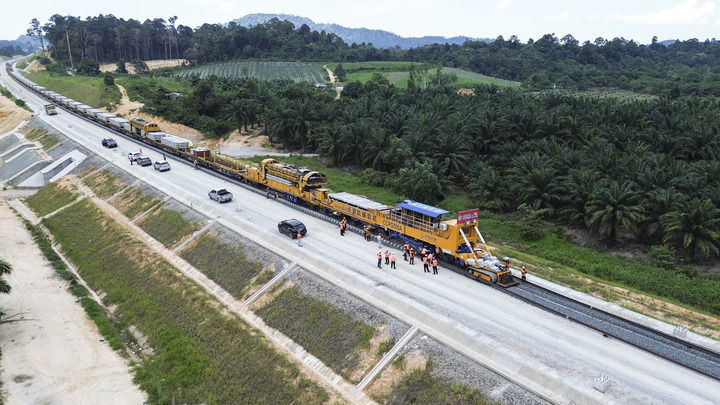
(638, 20)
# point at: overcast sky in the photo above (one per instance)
(632, 19)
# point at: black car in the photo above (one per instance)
(109, 143)
(291, 227)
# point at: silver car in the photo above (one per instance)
(162, 166)
(220, 195)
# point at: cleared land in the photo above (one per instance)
(295, 71)
(88, 90)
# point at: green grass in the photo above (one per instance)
(94, 311)
(420, 387)
(167, 226)
(133, 202)
(225, 264)
(323, 330)
(104, 184)
(88, 90)
(341, 181)
(46, 139)
(398, 74)
(201, 355)
(19, 102)
(139, 87)
(50, 198)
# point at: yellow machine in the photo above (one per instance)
(139, 126)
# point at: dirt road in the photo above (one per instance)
(54, 356)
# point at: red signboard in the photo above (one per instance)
(468, 216)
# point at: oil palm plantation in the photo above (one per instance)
(695, 227)
(614, 208)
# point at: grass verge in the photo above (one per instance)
(19, 102)
(133, 202)
(51, 197)
(323, 330)
(225, 264)
(420, 387)
(104, 184)
(94, 311)
(201, 353)
(87, 90)
(167, 226)
(46, 139)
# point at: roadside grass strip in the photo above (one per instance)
(94, 311)
(202, 354)
(323, 330)
(46, 139)
(167, 226)
(421, 387)
(104, 184)
(224, 264)
(133, 201)
(52, 197)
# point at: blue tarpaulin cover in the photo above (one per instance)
(428, 210)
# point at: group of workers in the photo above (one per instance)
(429, 258)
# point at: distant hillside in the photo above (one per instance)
(379, 38)
(23, 45)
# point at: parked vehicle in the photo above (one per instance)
(162, 166)
(291, 227)
(220, 195)
(109, 143)
(143, 160)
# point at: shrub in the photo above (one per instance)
(108, 79)
(20, 102)
(89, 67)
(662, 256)
(121, 66)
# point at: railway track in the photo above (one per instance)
(692, 356)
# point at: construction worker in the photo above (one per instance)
(412, 255)
(425, 265)
(523, 273)
(130, 157)
(379, 255)
(141, 151)
(379, 240)
(434, 264)
(406, 250)
(164, 157)
(392, 261)
(437, 251)
(366, 229)
(387, 257)
(423, 252)
(299, 237)
(195, 163)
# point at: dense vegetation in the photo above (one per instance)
(200, 354)
(685, 67)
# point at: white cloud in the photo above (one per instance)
(593, 17)
(687, 12)
(558, 17)
(503, 4)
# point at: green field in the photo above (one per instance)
(50, 198)
(398, 73)
(294, 71)
(88, 90)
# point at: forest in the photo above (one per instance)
(682, 68)
(641, 170)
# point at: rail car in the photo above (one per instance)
(457, 241)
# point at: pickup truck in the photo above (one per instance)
(50, 109)
(220, 195)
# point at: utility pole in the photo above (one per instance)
(67, 38)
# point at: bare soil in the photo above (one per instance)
(152, 64)
(382, 385)
(55, 354)
(11, 115)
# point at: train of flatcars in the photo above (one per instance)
(458, 240)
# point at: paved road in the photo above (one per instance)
(549, 355)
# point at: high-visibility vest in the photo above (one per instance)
(424, 252)
(392, 259)
(412, 252)
(387, 254)
(379, 255)
(425, 260)
(434, 262)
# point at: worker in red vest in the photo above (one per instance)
(387, 257)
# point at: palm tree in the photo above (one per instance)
(328, 139)
(614, 208)
(695, 227)
(5, 268)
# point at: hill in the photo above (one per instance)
(379, 38)
(23, 45)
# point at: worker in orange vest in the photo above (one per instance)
(392, 261)
(387, 257)
(423, 252)
(379, 260)
(425, 265)
(435, 263)
(523, 273)
(412, 255)
(299, 237)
